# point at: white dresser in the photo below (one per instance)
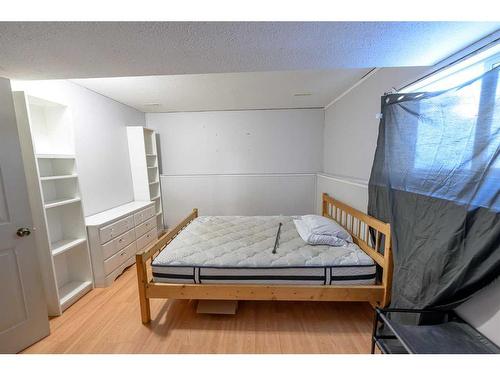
(116, 235)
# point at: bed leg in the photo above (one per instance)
(142, 278)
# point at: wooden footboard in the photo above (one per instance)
(371, 235)
(142, 257)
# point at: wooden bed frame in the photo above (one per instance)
(368, 233)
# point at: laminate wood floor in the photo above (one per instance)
(108, 321)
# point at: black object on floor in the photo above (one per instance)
(406, 331)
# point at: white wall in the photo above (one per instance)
(351, 191)
(239, 162)
(245, 194)
(483, 311)
(350, 136)
(100, 141)
(258, 141)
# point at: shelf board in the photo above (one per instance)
(156, 198)
(154, 167)
(159, 213)
(62, 177)
(60, 202)
(150, 155)
(62, 246)
(73, 290)
(55, 156)
(154, 182)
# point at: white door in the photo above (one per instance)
(23, 312)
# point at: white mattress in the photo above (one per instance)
(238, 249)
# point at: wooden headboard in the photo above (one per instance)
(370, 234)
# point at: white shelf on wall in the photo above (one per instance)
(151, 162)
(54, 167)
(72, 291)
(47, 143)
(62, 177)
(61, 246)
(62, 202)
(145, 170)
(54, 156)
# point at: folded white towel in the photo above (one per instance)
(317, 239)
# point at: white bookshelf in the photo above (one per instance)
(144, 166)
(47, 143)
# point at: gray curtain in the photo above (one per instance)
(436, 179)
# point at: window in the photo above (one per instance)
(449, 147)
(461, 137)
(456, 134)
(459, 73)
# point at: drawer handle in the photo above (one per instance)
(122, 254)
(120, 240)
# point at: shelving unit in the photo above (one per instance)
(145, 173)
(47, 143)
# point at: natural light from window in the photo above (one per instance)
(448, 140)
(459, 73)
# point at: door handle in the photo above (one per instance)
(23, 232)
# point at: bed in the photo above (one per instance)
(230, 258)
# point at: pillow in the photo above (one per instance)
(316, 239)
(325, 226)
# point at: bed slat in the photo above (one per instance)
(371, 246)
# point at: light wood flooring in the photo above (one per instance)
(108, 321)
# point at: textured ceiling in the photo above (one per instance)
(79, 50)
(198, 92)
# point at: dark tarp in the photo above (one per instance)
(436, 179)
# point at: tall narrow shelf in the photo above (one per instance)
(145, 172)
(47, 144)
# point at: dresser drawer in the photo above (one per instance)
(143, 215)
(117, 244)
(114, 230)
(112, 263)
(147, 239)
(108, 280)
(145, 227)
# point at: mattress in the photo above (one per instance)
(238, 250)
